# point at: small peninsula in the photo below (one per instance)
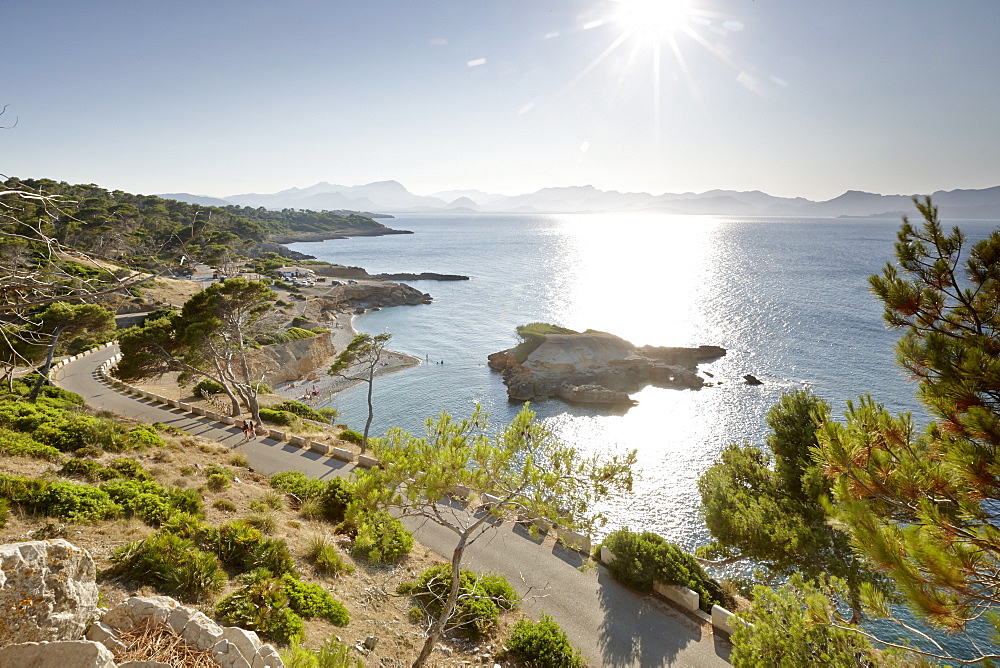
(593, 368)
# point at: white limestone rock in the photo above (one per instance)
(140, 609)
(48, 591)
(247, 642)
(227, 656)
(267, 657)
(64, 654)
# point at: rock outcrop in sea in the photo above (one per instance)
(596, 368)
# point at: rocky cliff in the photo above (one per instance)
(598, 368)
(294, 360)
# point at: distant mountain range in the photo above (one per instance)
(392, 197)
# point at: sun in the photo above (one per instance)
(652, 20)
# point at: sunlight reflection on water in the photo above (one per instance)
(787, 298)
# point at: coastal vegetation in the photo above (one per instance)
(767, 506)
(644, 558)
(208, 338)
(149, 232)
(522, 473)
(873, 511)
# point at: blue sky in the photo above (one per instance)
(792, 97)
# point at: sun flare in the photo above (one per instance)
(652, 19)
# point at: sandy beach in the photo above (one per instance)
(318, 387)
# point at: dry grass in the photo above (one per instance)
(368, 594)
(147, 642)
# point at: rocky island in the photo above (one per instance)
(591, 367)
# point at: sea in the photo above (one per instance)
(788, 298)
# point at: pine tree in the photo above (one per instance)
(924, 505)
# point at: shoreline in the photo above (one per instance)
(327, 386)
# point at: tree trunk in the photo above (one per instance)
(43, 373)
(449, 606)
(371, 414)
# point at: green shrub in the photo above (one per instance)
(225, 505)
(18, 444)
(641, 558)
(329, 414)
(4, 512)
(326, 558)
(25, 416)
(74, 431)
(217, 482)
(335, 497)
(481, 598)
(87, 469)
(277, 417)
(208, 385)
(299, 409)
(297, 483)
(129, 468)
(264, 388)
(79, 504)
(261, 605)
(295, 333)
(351, 436)
(172, 565)
(144, 437)
(333, 654)
(243, 548)
(544, 645)
(265, 521)
(382, 539)
(239, 460)
(311, 600)
(143, 499)
(215, 469)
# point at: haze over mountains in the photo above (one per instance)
(393, 197)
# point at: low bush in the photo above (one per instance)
(70, 502)
(217, 482)
(144, 437)
(311, 600)
(382, 539)
(326, 557)
(264, 520)
(641, 558)
(213, 469)
(329, 414)
(544, 645)
(481, 597)
(274, 606)
(172, 565)
(86, 469)
(208, 385)
(299, 409)
(297, 483)
(335, 497)
(18, 444)
(129, 468)
(149, 501)
(351, 436)
(333, 654)
(225, 505)
(4, 512)
(278, 417)
(27, 417)
(243, 548)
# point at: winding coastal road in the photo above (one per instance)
(612, 625)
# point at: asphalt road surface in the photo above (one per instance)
(612, 625)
